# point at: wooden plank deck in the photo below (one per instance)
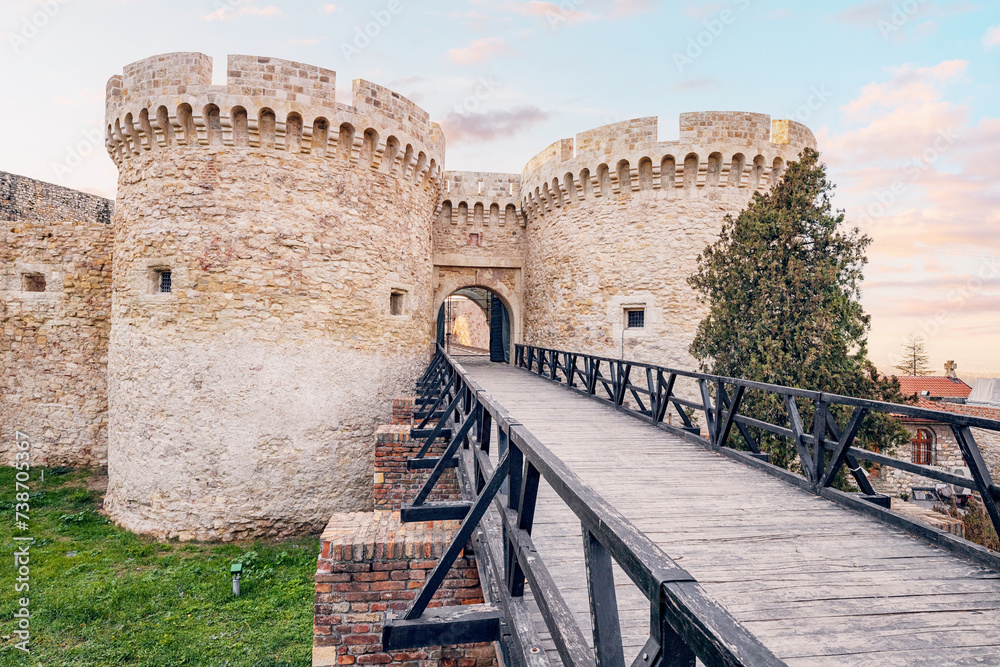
(817, 583)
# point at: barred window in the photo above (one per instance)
(923, 447)
(165, 281)
(636, 318)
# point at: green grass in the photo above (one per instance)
(103, 596)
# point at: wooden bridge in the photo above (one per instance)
(605, 533)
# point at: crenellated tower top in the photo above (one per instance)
(169, 100)
(714, 150)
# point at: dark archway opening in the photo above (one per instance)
(473, 320)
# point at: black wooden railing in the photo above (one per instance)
(684, 621)
(649, 392)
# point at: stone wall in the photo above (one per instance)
(54, 343)
(245, 401)
(619, 222)
(371, 565)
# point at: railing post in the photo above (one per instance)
(819, 441)
(798, 433)
(980, 473)
(603, 603)
(706, 402)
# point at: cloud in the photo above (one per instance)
(992, 37)
(629, 7)
(870, 12)
(551, 11)
(478, 51)
(908, 86)
(229, 13)
(702, 10)
(864, 13)
(922, 179)
(329, 9)
(503, 123)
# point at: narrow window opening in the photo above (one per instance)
(34, 282)
(635, 318)
(474, 240)
(396, 303)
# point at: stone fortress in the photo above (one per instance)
(228, 340)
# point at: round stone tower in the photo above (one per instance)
(617, 220)
(271, 291)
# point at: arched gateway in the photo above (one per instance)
(475, 320)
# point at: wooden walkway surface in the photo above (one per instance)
(817, 583)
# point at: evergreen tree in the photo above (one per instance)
(914, 361)
(782, 285)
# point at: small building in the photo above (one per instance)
(932, 443)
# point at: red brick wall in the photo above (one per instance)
(370, 565)
(394, 484)
(402, 410)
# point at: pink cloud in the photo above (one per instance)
(908, 85)
(629, 7)
(922, 180)
(491, 125)
(229, 13)
(549, 10)
(992, 37)
(478, 51)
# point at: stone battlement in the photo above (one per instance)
(169, 100)
(480, 197)
(715, 149)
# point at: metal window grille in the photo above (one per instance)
(165, 281)
(636, 318)
(34, 283)
(922, 445)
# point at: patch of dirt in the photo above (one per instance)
(98, 482)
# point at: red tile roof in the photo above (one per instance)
(937, 386)
(984, 411)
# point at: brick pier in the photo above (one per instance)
(370, 564)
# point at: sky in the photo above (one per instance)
(903, 96)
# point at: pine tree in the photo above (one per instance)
(782, 286)
(914, 361)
